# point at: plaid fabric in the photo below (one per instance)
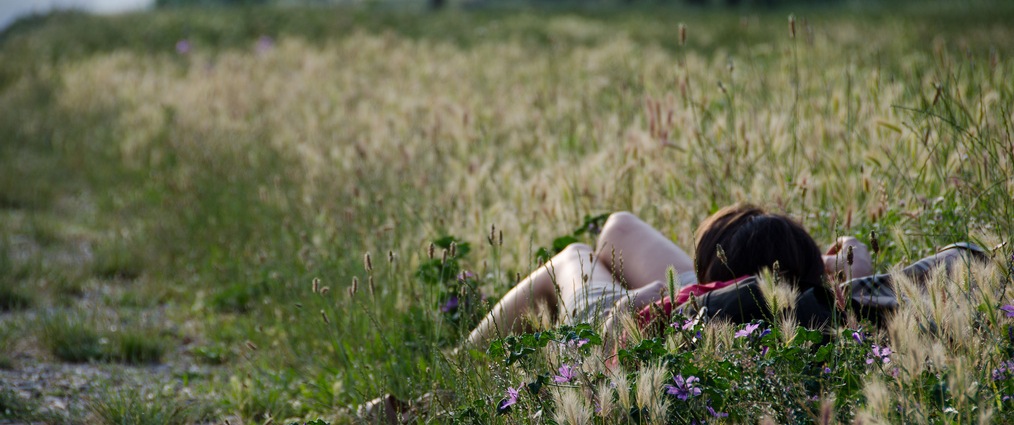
(876, 292)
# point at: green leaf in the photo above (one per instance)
(803, 335)
(496, 348)
(562, 242)
(823, 353)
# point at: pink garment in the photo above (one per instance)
(647, 314)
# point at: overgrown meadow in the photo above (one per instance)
(274, 215)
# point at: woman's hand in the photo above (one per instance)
(836, 261)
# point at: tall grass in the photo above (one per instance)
(239, 171)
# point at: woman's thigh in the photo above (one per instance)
(574, 267)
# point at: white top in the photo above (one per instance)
(591, 302)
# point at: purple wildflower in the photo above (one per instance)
(183, 46)
(1009, 309)
(857, 336)
(567, 374)
(747, 330)
(998, 373)
(717, 414)
(764, 351)
(264, 44)
(451, 304)
(686, 326)
(510, 400)
(684, 388)
(880, 353)
(827, 369)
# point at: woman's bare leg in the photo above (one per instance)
(566, 269)
(645, 253)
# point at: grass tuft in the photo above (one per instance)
(137, 346)
(131, 407)
(71, 339)
(17, 408)
(14, 298)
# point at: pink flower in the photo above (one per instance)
(510, 400)
(880, 353)
(747, 330)
(567, 374)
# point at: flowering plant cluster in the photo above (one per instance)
(705, 377)
(460, 298)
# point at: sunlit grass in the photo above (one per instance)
(219, 183)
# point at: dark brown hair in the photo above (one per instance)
(743, 239)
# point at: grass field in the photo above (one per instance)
(244, 215)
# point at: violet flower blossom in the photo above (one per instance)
(510, 400)
(881, 353)
(567, 374)
(451, 304)
(717, 414)
(857, 336)
(1009, 309)
(684, 388)
(747, 330)
(183, 46)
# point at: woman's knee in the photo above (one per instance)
(575, 249)
(619, 224)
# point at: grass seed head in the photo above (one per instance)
(571, 407)
(367, 262)
(622, 390)
(683, 34)
(792, 27)
(604, 399)
(316, 285)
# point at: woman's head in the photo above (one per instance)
(751, 240)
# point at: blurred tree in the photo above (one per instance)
(179, 3)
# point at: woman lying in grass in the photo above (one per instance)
(627, 272)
